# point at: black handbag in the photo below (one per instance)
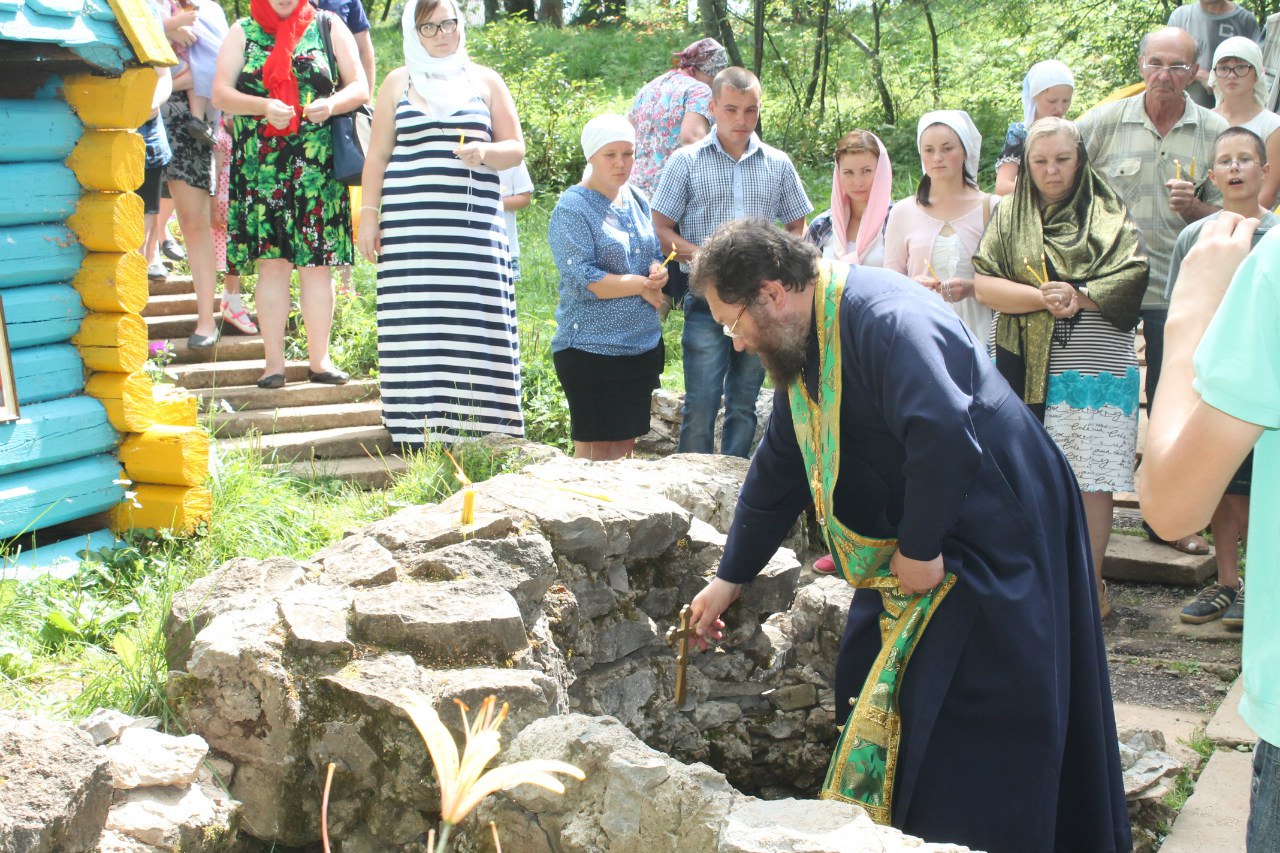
(350, 130)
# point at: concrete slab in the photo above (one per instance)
(1227, 728)
(1215, 815)
(1210, 632)
(1176, 726)
(1133, 558)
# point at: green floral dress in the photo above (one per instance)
(284, 201)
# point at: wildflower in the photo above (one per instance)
(462, 785)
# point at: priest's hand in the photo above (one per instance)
(706, 608)
(914, 576)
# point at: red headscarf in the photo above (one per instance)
(277, 71)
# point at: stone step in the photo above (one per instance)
(170, 327)
(1134, 558)
(343, 442)
(172, 304)
(297, 419)
(215, 374)
(367, 472)
(251, 397)
(1227, 728)
(173, 284)
(1217, 812)
(229, 348)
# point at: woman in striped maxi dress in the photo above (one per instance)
(448, 350)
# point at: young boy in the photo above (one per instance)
(517, 192)
(1238, 167)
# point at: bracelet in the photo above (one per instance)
(374, 209)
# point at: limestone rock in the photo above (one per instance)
(530, 694)
(190, 819)
(113, 842)
(775, 587)
(1145, 763)
(143, 758)
(416, 531)
(50, 806)
(814, 826)
(316, 618)
(356, 561)
(238, 584)
(524, 566)
(378, 683)
(105, 724)
(459, 622)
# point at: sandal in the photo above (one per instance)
(275, 380)
(825, 565)
(1194, 544)
(239, 320)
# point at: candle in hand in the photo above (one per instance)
(671, 257)
(468, 505)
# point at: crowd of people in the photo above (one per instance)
(894, 332)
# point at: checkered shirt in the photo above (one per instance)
(1124, 146)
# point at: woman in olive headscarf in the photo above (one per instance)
(1063, 264)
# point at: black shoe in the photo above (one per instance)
(198, 341)
(201, 132)
(329, 377)
(275, 380)
(1233, 619)
(172, 249)
(1210, 604)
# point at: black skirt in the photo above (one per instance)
(609, 394)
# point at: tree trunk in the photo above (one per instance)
(872, 52)
(757, 36)
(520, 8)
(550, 12)
(819, 50)
(935, 72)
(715, 23)
(492, 10)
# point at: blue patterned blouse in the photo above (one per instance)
(591, 238)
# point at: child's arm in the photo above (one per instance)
(519, 201)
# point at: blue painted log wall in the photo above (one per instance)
(37, 131)
(56, 431)
(41, 314)
(38, 254)
(31, 193)
(47, 373)
(58, 560)
(31, 500)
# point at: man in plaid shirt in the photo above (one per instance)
(729, 174)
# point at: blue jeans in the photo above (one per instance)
(1153, 320)
(713, 368)
(1263, 834)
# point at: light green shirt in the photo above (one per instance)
(1238, 372)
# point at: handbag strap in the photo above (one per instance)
(326, 39)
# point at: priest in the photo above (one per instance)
(971, 686)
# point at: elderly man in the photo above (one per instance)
(1155, 148)
(727, 174)
(974, 632)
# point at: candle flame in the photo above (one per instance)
(671, 257)
(457, 470)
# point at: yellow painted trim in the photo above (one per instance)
(109, 160)
(168, 455)
(112, 282)
(127, 397)
(143, 31)
(108, 222)
(114, 343)
(119, 102)
(176, 508)
(176, 407)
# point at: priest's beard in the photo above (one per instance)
(783, 349)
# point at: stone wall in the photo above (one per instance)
(557, 600)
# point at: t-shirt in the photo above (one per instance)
(1238, 372)
(514, 181)
(1209, 31)
(350, 12)
(1191, 234)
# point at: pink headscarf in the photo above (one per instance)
(877, 206)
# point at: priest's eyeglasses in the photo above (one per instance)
(448, 26)
(732, 331)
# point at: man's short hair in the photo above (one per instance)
(735, 77)
(744, 254)
(1230, 132)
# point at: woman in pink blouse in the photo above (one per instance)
(932, 235)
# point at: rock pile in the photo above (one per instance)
(112, 786)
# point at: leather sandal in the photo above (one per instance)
(275, 380)
(329, 377)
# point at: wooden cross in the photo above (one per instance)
(679, 637)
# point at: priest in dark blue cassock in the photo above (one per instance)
(972, 670)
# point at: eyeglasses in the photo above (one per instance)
(732, 331)
(1242, 162)
(1241, 70)
(448, 26)
(1156, 69)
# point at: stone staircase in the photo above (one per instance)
(329, 430)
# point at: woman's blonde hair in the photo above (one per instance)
(1046, 127)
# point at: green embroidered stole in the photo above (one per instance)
(865, 759)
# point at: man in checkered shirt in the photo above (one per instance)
(728, 174)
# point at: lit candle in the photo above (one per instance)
(929, 264)
(468, 505)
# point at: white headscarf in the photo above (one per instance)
(441, 81)
(959, 121)
(600, 131)
(1041, 76)
(1244, 49)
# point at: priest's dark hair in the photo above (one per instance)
(744, 254)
